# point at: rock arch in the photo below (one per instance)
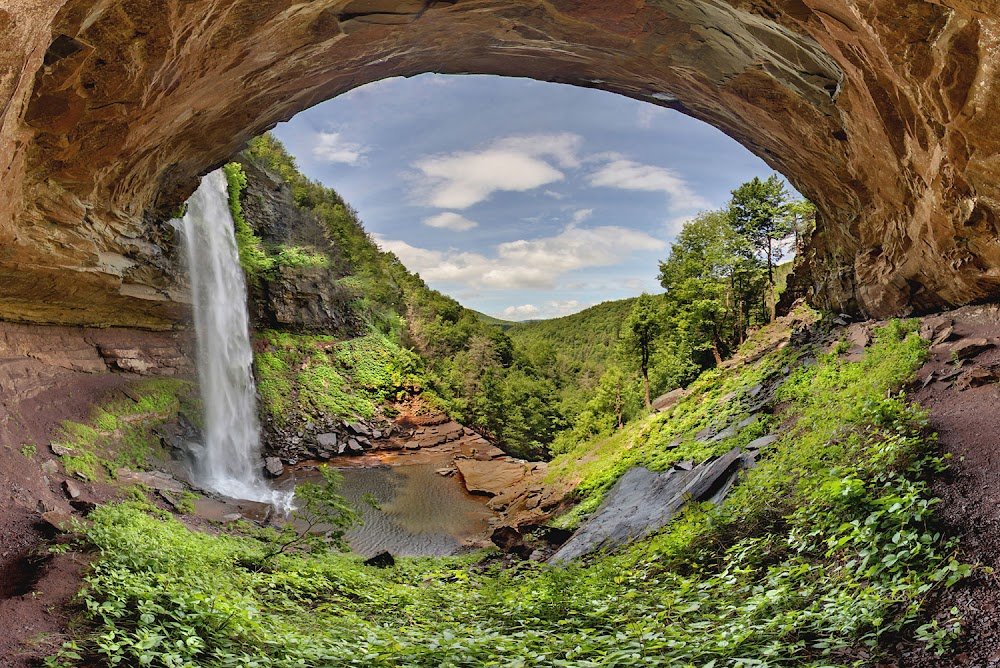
(880, 111)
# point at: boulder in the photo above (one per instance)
(506, 538)
(969, 348)
(932, 327)
(154, 480)
(490, 477)
(665, 401)
(58, 520)
(859, 334)
(83, 507)
(273, 467)
(359, 429)
(383, 559)
(71, 489)
(977, 376)
(327, 440)
(643, 501)
(762, 442)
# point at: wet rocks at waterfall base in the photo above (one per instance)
(330, 438)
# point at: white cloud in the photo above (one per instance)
(551, 309)
(582, 215)
(646, 113)
(554, 195)
(518, 164)
(522, 312)
(332, 147)
(562, 147)
(450, 220)
(559, 308)
(630, 175)
(677, 223)
(532, 264)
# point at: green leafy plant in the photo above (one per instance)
(319, 521)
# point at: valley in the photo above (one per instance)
(592, 384)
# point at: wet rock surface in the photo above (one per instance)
(642, 502)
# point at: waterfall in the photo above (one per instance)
(230, 462)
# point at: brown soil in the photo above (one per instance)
(968, 425)
(34, 585)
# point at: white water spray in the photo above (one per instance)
(230, 463)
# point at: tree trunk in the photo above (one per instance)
(645, 380)
(715, 350)
(770, 276)
(618, 404)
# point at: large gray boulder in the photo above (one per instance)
(643, 501)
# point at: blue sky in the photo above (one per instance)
(519, 198)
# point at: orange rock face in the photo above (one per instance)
(882, 112)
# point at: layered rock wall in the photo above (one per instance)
(880, 112)
(49, 373)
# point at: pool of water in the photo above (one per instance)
(420, 513)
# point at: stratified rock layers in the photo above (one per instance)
(881, 112)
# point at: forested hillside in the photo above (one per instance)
(536, 388)
(460, 361)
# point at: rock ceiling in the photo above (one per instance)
(882, 112)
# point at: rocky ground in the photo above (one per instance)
(47, 375)
(958, 386)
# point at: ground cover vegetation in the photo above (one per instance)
(822, 556)
(120, 430)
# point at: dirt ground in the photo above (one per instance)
(968, 425)
(35, 586)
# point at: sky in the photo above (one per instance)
(521, 199)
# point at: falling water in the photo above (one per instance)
(230, 463)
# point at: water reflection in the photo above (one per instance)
(421, 513)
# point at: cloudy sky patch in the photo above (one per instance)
(334, 147)
(449, 220)
(511, 193)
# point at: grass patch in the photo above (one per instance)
(314, 376)
(119, 432)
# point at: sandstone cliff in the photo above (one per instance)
(881, 112)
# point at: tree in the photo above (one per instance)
(642, 326)
(712, 280)
(759, 211)
(320, 519)
(803, 219)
